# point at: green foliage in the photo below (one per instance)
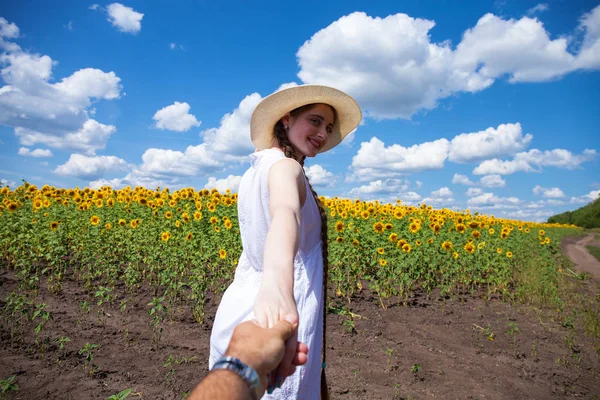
(586, 217)
(122, 395)
(7, 386)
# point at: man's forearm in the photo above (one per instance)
(222, 384)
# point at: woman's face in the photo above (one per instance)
(308, 132)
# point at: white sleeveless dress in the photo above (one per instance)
(237, 303)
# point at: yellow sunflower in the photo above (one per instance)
(189, 236)
(406, 248)
(393, 237)
(222, 253)
(108, 226)
(168, 215)
(509, 254)
(94, 220)
(214, 220)
(469, 248)
(122, 222)
(355, 242)
(382, 262)
(447, 245)
(339, 239)
(54, 225)
(339, 226)
(378, 227)
(197, 216)
(165, 236)
(380, 250)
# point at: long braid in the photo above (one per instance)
(289, 151)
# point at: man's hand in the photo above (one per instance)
(263, 349)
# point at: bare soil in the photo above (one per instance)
(460, 348)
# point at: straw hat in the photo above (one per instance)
(273, 107)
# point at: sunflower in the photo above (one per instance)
(382, 262)
(481, 245)
(455, 255)
(99, 203)
(189, 236)
(12, 206)
(388, 227)
(380, 250)
(122, 222)
(473, 225)
(37, 203)
(499, 250)
(210, 207)
(172, 203)
(222, 253)
(365, 214)
(393, 237)
(185, 217)
(214, 220)
(414, 227)
(430, 241)
(197, 216)
(406, 248)
(110, 202)
(460, 228)
(228, 224)
(168, 215)
(509, 254)
(108, 226)
(339, 226)
(547, 240)
(469, 248)
(378, 227)
(476, 234)
(165, 236)
(217, 229)
(447, 245)
(177, 224)
(504, 234)
(418, 242)
(94, 220)
(492, 231)
(542, 232)
(437, 228)
(339, 239)
(401, 243)
(54, 225)
(133, 224)
(198, 205)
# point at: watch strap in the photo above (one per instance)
(246, 372)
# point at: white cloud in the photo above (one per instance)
(442, 192)
(375, 160)
(526, 161)
(459, 179)
(419, 184)
(69, 26)
(24, 151)
(492, 181)
(491, 199)
(94, 7)
(175, 117)
(55, 114)
(124, 18)
(91, 137)
(164, 162)
(231, 182)
(409, 197)
(586, 198)
(552, 192)
(175, 46)
(319, 176)
(505, 140)
(232, 137)
(442, 196)
(538, 8)
(380, 187)
(471, 192)
(394, 70)
(6, 182)
(83, 167)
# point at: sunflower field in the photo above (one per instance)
(187, 242)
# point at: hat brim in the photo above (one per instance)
(273, 107)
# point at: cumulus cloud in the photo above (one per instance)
(472, 192)
(6, 182)
(505, 140)
(83, 167)
(8, 31)
(442, 196)
(24, 151)
(391, 66)
(492, 199)
(492, 181)
(175, 117)
(319, 176)
(54, 114)
(231, 183)
(548, 192)
(380, 187)
(538, 8)
(459, 179)
(586, 198)
(374, 159)
(165, 162)
(124, 18)
(232, 137)
(532, 160)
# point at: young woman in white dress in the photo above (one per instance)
(282, 271)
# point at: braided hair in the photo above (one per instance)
(291, 152)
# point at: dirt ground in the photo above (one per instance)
(457, 349)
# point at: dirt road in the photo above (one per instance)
(575, 249)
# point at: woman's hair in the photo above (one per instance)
(291, 152)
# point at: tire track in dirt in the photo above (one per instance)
(574, 248)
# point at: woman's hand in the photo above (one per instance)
(274, 303)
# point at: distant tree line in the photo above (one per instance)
(586, 217)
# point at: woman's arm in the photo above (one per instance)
(275, 297)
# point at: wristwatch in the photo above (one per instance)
(246, 372)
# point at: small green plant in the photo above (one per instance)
(157, 314)
(415, 368)
(62, 342)
(487, 331)
(169, 364)
(122, 395)
(7, 385)
(88, 352)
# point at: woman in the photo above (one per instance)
(283, 267)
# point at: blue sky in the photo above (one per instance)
(490, 105)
